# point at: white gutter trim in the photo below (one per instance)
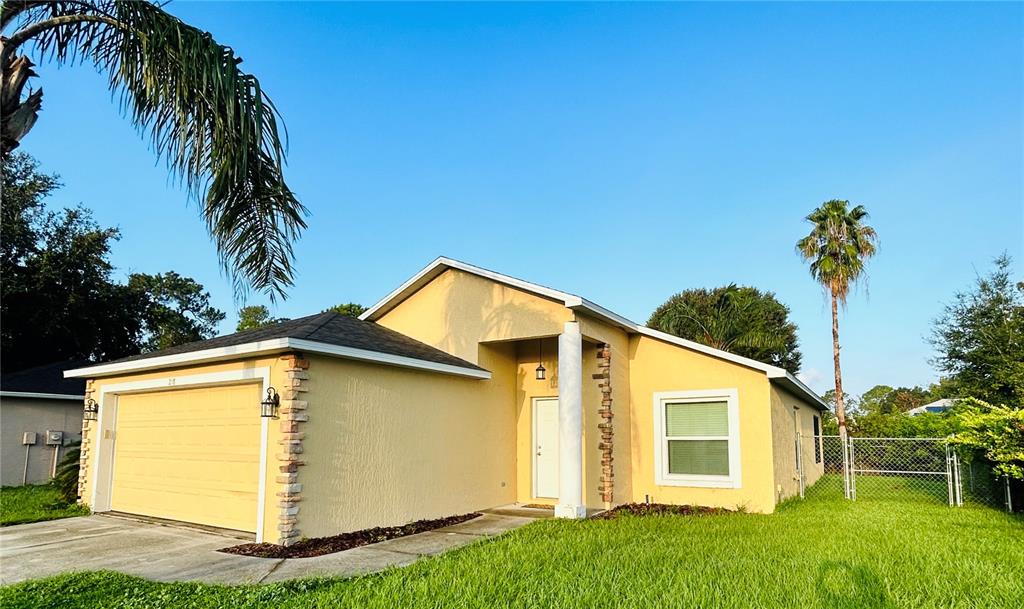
(179, 359)
(385, 358)
(41, 396)
(577, 303)
(442, 264)
(271, 346)
(786, 376)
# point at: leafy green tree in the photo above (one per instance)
(883, 399)
(838, 247)
(177, 310)
(351, 309)
(213, 123)
(741, 320)
(871, 400)
(58, 300)
(255, 316)
(996, 432)
(980, 338)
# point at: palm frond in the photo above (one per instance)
(212, 123)
(838, 246)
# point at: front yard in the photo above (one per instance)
(822, 552)
(34, 503)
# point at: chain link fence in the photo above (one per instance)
(909, 470)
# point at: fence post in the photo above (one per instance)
(853, 470)
(846, 466)
(958, 482)
(949, 476)
(1009, 497)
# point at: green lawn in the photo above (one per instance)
(821, 552)
(33, 503)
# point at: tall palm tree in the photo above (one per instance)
(212, 122)
(838, 248)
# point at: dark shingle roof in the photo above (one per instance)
(48, 378)
(329, 328)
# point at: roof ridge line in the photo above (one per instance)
(330, 315)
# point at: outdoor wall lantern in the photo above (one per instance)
(541, 371)
(90, 410)
(268, 407)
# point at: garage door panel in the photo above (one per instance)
(190, 455)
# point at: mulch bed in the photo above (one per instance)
(658, 509)
(318, 546)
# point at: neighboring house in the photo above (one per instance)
(935, 407)
(461, 390)
(40, 413)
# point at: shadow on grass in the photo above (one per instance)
(840, 584)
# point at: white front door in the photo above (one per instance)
(545, 447)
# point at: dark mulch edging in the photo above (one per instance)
(318, 546)
(658, 509)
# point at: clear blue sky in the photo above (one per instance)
(621, 152)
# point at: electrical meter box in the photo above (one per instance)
(29, 437)
(54, 438)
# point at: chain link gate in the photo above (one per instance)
(909, 469)
(927, 470)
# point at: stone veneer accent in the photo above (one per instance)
(86, 447)
(293, 416)
(604, 375)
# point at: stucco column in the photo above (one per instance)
(570, 423)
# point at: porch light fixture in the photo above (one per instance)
(90, 410)
(541, 371)
(268, 407)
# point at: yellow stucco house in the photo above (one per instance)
(463, 389)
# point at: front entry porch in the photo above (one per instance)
(561, 436)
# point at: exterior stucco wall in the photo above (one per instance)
(100, 440)
(785, 406)
(20, 414)
(656, 366)
(388, 445)
(457, 311)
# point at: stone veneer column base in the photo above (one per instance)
(604, 356)
(85, 450)
(293, 417)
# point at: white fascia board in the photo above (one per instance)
(442, 264)
(309, 346)
(796, 385)
(272, 346)
(41, 396)
(411, 285)
(773, 372)
(179, 359)
(577, 303)
(571, 301)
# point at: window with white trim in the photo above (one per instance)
(697, 435)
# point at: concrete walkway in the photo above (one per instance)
(172, 553)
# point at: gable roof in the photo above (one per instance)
(326, 333)
(578, 303)
(45, 382)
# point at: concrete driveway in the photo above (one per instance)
(171, 553)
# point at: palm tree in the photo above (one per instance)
(212, 122)
(741, 320)
(838, 248)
